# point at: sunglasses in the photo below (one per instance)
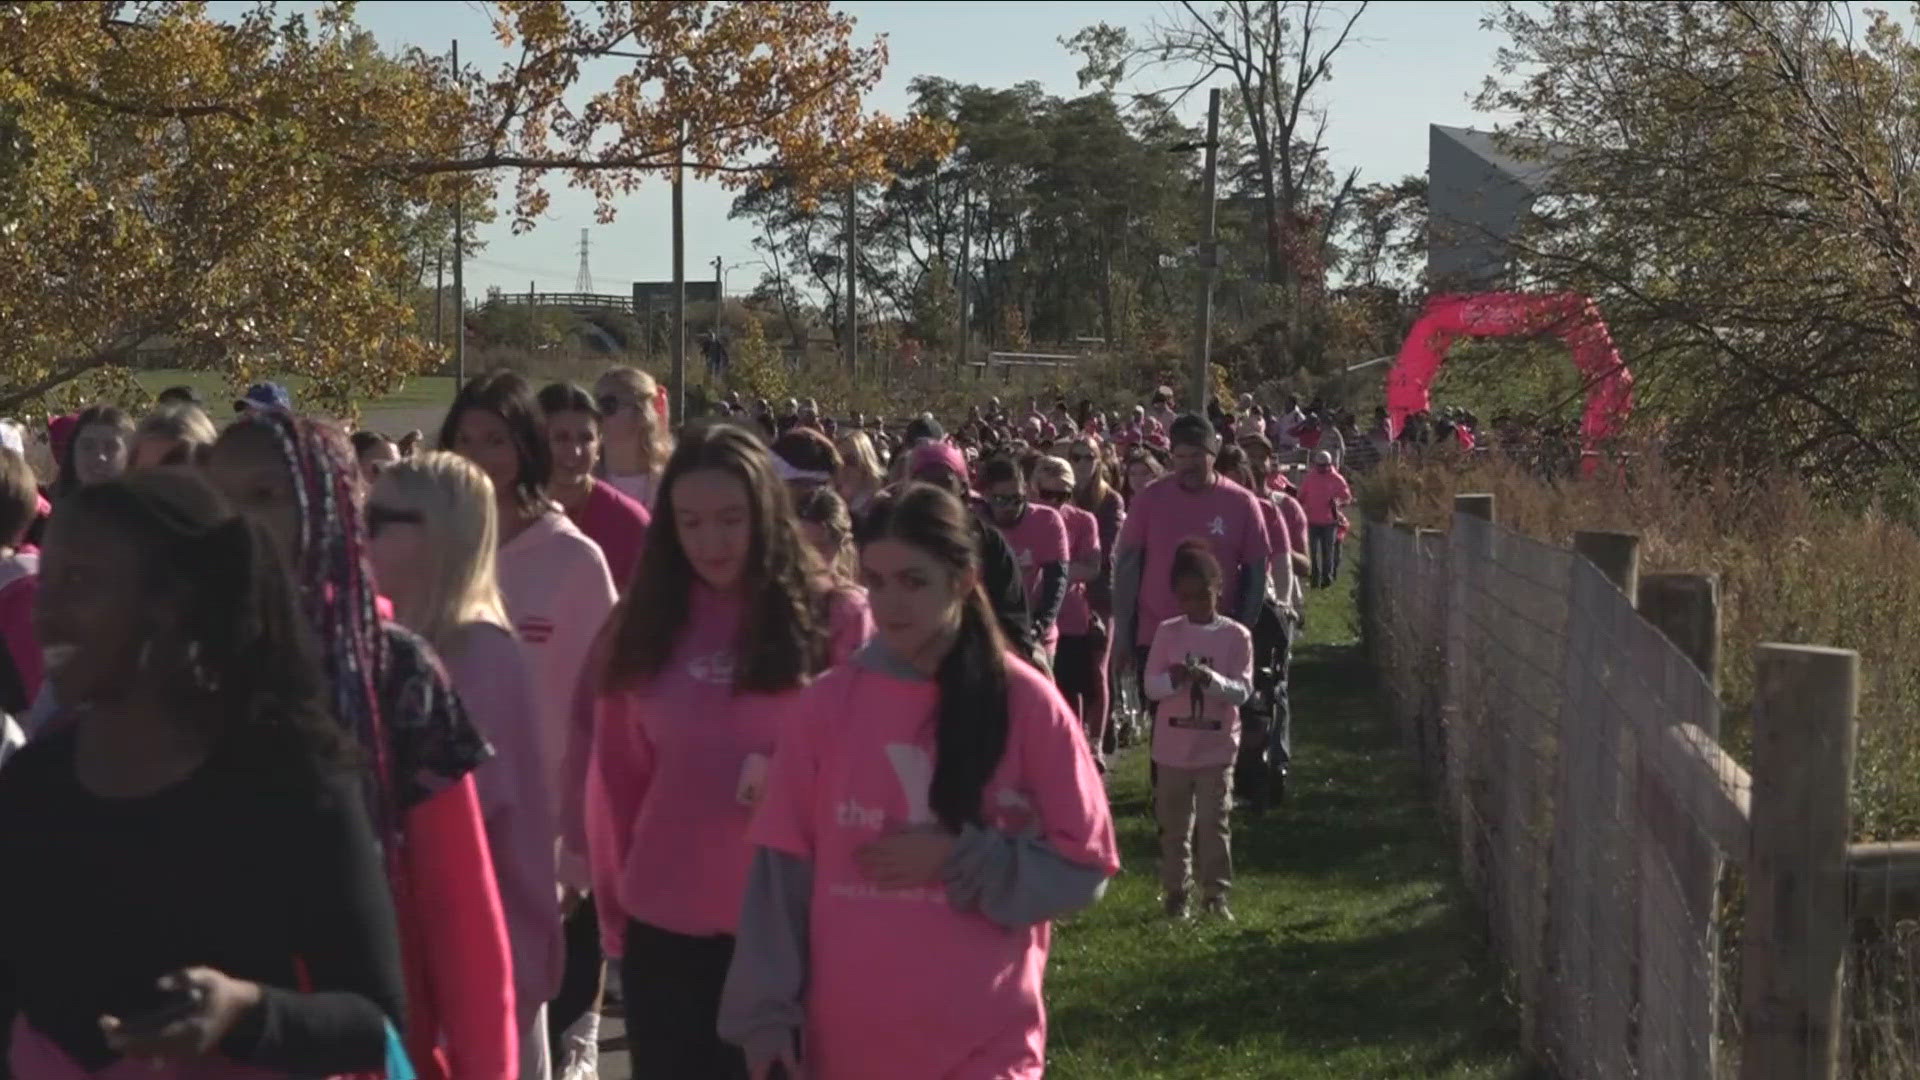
(612, 403)
(379, 518)
(1080, 455)
(1008, 501)
(1055, 498)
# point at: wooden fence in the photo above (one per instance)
(1661, 910)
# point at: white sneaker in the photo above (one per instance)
(583, 1049)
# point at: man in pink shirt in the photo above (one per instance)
(1193, 501)
(1323, 492)
(1039, 541)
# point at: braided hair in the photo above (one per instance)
(330, 566)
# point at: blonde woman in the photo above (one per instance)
(433, 528)
(861, 476)
(174, 434)
(829, 531)
(635, 439)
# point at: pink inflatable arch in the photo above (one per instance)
(1574, 318)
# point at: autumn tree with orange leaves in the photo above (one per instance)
(249, 193)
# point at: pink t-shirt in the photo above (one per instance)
(666, 828)
(899, 984)
(619, 525)
(489, 670)
(1037, 540)
(1320, 491)
(1224, 513)
(1186, 736)
(1295, 517)
(1083, 539)
(1276, 531)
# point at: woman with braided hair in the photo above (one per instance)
(298, 479)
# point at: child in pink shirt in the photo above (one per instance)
(1199, 673)
(931, 809)
(720, 633)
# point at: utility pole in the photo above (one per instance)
(678, 404)
(439, 294)
(964, 276)
(459, 272)
(719, 295)
(1209, 262)
(853, 283)
(533, 329)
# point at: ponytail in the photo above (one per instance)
(970, 732)
(971, 721)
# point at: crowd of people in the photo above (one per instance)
(330, 753)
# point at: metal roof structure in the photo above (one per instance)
(1478, 192)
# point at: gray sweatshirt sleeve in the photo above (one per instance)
(1253, 593)
(760, 1008)
(1232, 691)
(1127, 567)
(1017, 881)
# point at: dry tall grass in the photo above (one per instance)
(1792, 569)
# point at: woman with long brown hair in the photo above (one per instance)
(729, 616)
(932, 808)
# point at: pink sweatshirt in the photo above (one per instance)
(1038, 541)
(1208, 736)
(1322, 493)
(1295, 517)
(489, 671)
(666, 826)
(899, 983)
(558, 594)
(619, 525)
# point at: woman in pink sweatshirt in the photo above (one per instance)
(433, 535)
(558, 593)
(1324, 492)
(729, 617)
(931, 809)
(608, 517)
(299, 480)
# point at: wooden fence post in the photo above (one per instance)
(1679, 862)
(1806, 701)
(1686, 608)
(1480, 506)
(1617, 555)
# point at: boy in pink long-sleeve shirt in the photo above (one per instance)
(1199, 672)
(1323, 492)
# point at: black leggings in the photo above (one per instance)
(672, 984)
(580, 987)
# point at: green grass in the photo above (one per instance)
(1354, 953)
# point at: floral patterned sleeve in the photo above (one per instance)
(432, 742)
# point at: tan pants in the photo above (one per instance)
(1195, 808)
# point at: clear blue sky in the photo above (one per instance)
(1414, 64)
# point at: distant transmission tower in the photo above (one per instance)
(583, 281)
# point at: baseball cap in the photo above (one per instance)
(265, 395)
(942, 455)
(1192, 430)
(924, 427)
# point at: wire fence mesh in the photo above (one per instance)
(1572, 746)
